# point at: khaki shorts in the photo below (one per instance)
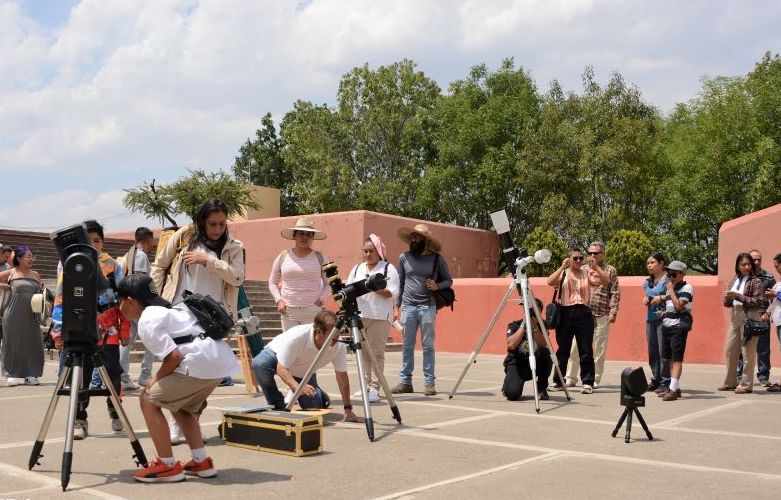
(177, 391)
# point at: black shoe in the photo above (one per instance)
(544, 395)
(326, 399)
(653, 386)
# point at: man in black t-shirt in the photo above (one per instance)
(516, 364)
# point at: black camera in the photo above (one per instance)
(345, 293)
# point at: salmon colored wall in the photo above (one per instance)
(758, 230)
(477, 299)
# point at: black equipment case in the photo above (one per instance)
(282, 432)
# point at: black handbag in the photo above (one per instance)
(753, 328)
(444, 297)
(553, 310)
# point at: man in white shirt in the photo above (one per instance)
(289, 356)
(190, 370)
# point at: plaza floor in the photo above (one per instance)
(477, 445)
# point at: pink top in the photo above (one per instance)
(301, 278)
(576, 288)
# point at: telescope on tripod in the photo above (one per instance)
(349, 318)
(82, 280)
(517, 261)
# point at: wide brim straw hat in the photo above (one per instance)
(405, 232)
(305, 225)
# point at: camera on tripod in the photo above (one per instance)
(348, 293)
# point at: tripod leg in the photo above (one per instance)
(368, 420)
(628, 435)
(383, 383)
(483, 338)
(67, 454)
(645, 427)
(138, 455)
(547, 341)
(526, 294)
(620, 422)
(312, 368)
(47, 419)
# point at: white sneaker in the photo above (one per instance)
(176, 433)
(289, 396)
(571, 383)
(11, 381)
(374, 396)
(80, 429)
(32, 381)
(116, 425)
(357, 394)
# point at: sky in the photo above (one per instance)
(97, 96)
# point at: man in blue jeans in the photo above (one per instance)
(290, 355)
(422, 271)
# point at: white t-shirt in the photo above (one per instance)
(198, 279)
(373, 305)
(739, 286)
(296, 349)
(204, 358)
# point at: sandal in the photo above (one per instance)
(776, 387)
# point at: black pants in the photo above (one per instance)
(577, 323)
(517, 371)
(110, 356)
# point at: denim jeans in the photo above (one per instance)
(660, 368)
(264, 365)
(413, 317)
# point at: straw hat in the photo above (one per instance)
(423, 230)
(305, 225)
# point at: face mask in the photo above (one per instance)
(417, 247)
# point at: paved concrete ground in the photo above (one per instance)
(707, 445)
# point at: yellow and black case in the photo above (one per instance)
(281, 432)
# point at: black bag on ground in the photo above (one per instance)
(215, 320)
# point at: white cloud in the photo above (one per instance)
(126, 90)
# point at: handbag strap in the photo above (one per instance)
(561, 283)
(436, 266)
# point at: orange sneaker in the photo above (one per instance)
(200, 469)
(158, 472)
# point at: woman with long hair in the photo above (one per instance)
(654, 287)
(23, 342)
(203, 258)
(743, 297)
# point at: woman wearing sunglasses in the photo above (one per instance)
(744, 298)
(574, 280)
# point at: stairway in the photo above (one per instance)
(46, 257)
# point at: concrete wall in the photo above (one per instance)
(758, 230)
(268, 203)
(477, 299)
(470, 253)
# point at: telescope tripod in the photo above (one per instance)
(355, 342)
(520, 282)
(74, 366)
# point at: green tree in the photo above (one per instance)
(538, 239)
(724, 163)
(260, 162)
(482, 126)
(627, 251)
(187, 194)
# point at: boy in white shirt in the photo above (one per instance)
(190, 370)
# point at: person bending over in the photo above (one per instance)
(290, 355)
(190, 370)
(516, 364)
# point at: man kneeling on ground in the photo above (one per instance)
(190, 371)
(517, 369)
(291, 353)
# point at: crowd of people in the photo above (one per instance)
(203, 257)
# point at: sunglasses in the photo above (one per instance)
(594, 253)
(673, 274)
(577, 259)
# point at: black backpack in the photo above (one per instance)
(215, 320)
